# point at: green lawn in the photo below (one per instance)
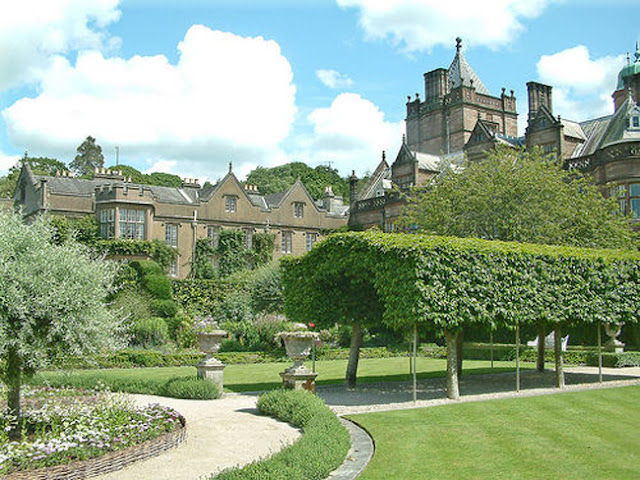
(590, 434)
(264, 376)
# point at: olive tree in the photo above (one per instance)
(52, 302)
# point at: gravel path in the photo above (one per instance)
(221, 433)
(398, 395)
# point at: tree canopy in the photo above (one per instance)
(155, 178)
(281, 178)
(52, 301)
(89, 158)
(38, 165)
(518, 196)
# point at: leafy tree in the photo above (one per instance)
(89, 158)
(38, 165)
(52, 303)
(155, 178)
(522, 196)
(281, 178)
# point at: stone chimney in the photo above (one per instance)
(539, 95)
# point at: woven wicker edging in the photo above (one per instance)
(107, 463)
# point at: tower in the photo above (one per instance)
(454, 100)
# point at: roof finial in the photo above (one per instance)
(230, 167)
(637, 51)
(458, 44)
(384, 155)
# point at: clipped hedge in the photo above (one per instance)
(445, 283)
(322, 448)
(131, 358)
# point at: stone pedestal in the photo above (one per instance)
(212, 369)
(298, 345)
(299, 378)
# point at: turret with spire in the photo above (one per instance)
(628, 80)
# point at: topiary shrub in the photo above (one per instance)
(191, 388)
(158, 286)
(149, 332)
(146, 267)
(164, 308)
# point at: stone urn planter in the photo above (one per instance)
(613, 344)
(211, 368)
(298, 346)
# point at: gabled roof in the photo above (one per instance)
(543, 118)
(381, 172)
(461, 73)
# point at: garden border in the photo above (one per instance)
(108, 463)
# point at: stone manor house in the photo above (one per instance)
(457, 117)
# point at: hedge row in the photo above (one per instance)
(448, 283)
(322, 448)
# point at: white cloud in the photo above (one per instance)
(7, 161)
(206, 110)
(32, 31)
(418, 25)
(351, 134)
(334, 79)
(582, 86)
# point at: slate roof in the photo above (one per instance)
(460, 72)
(274, 199)
(427, 161)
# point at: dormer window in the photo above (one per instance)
(635, 121)
(298, 210)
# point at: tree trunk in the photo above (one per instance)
(453, 389)
(459, 347)
(558, 354)
(14, 382)
(541, 335)
(354, 355)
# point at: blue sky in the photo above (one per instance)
(185, 87)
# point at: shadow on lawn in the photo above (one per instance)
(434, 388)
(362, 380)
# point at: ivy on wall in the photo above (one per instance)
(231, 254)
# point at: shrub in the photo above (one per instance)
(191, 388)
(158, 286)
(133, 303)
(235, 308)
(181, 330)
(146, 267)
(266, 289)
(149, 332)
(201, 297)
(164, 308)
(321, 449)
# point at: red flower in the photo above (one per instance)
(311, 324)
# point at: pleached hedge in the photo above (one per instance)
(445, 283)
(448, 282)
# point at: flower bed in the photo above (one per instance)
(58, 433)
